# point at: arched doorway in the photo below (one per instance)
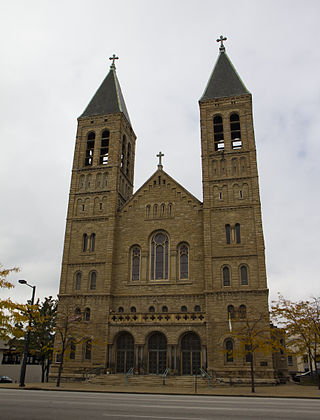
(125, 353)
(191, 354)
(157, 353)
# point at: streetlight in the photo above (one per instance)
(27, 339)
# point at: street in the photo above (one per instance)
(22, 404)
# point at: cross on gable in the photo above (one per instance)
(221, 39)
(113, 58)
(160, 155)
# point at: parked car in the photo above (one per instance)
(5, 380)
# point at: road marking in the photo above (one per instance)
(151, 417)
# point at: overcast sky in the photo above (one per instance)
(54, 55)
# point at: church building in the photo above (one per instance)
(157, 279)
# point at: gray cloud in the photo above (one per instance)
(55, 55)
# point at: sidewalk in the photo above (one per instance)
(276, 391)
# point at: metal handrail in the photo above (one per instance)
(164, 375)
(205, 374)
(129, 373)
(97, 371)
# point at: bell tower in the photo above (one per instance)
(235, 274)
(101, 183)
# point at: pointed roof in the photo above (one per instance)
(108, 99)
(224, 80)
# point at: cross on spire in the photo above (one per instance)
(221, 39)
(113, 58)
(160, 155)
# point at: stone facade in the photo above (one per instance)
(157, 271)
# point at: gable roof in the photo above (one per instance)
(224, 80)
(108, 99)
(154, 176)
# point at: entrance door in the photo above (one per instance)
(191, 354)
(125, 353)
(157, 351)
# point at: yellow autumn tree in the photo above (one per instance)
(9, 312)
(301, 321)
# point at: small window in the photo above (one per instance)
(120, 309)
(197, 308)
(248, 353)
(184, 308)
(184, 261)
(237, 231)
(229, 350)
(290, 360)
(88, 350)
(87, 314)
(148, 208)
(84, 242)
(93, 280)
(231, 312)
(226, 276)
(135, 263)
(242, 312)
(155, 210)
(218, 133)
(123, 151)
(104, 149)
(228, 234)
(151, 309)
(244, 275)
(77, 313)
(72, 354)
(128, 159)
(78, 281)
(90, 149)
(163, 207)
(92, 241)
(164, 309)
(133, 309)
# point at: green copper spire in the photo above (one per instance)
(108, 99)
(224, 81)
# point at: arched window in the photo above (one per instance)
(87, 314)
(244, 275)
(184, 308)
(237, 231)
(128, 158)
(228, 234)
(229, 350)
(77, 312)
(159, 256)
(183, 261)
(235, 131)
(123, 151)
(218, 132)
(162, 210)
(151, 309)
(120, 309)
(197, 308)
(231, 312)
(155, 210)
(170, 209)
(72, 354)
(88, 349)
(104, 149)
(92, 242)
(242, 312)
(164, 309)
(226, 276)
(93, 280)
(135, 263)
(78, 280)
(84, 242)
(90, 149)
(148, 208)
(133, 309)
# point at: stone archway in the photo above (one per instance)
(190, 354)
(124, 352)
(157, 353)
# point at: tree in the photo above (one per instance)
(301, 321)
(66, 330)
(253, 336)
(8, 309)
